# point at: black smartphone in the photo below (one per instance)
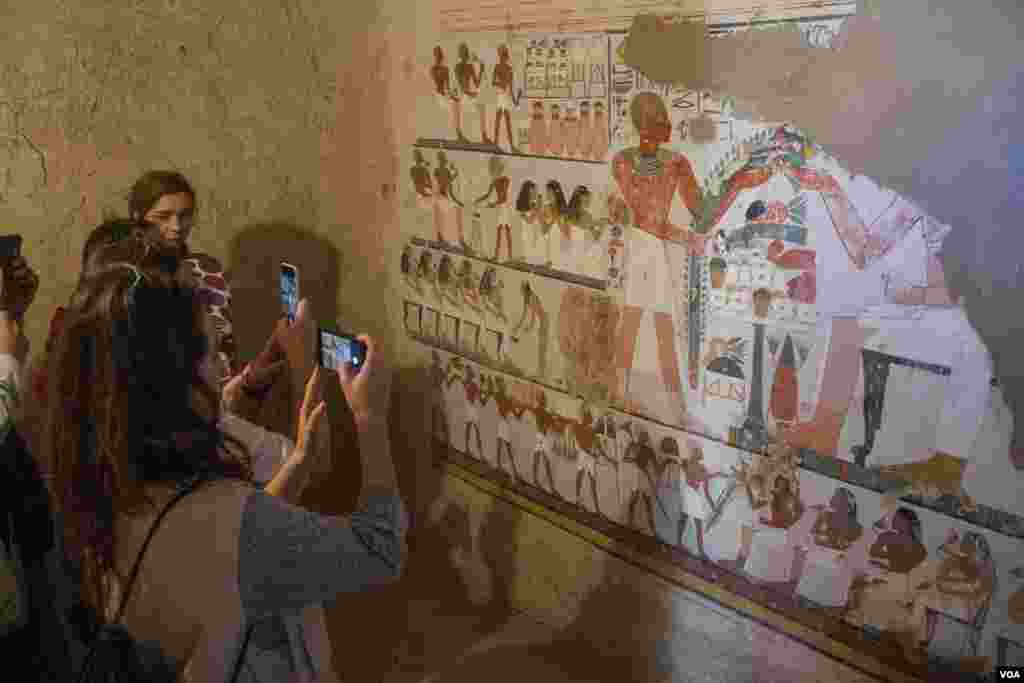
(336, 349)
(289, 284)
(10, 248)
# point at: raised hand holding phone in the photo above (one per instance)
(289, 285)
(295, 338)
(336, 349)
(368, 389)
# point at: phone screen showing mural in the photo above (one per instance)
(338, 349)
(289, 279)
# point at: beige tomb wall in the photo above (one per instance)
(290, 118)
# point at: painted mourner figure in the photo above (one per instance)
(584, 441)
(549, 426)
(475, 399)
(507, 408)
(643, 459)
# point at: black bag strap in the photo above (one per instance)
(182, 492)
(241, 655)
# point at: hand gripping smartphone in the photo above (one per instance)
(289, 284)
(336, 349)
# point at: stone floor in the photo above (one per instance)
(426, 629)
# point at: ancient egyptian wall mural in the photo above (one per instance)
(706, 330)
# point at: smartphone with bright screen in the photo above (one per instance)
(289, 284)
(337, 349)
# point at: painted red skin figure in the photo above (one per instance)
(475, 399)
(441, 75)
(469, 77)
(500, 187)
(649, 196)
(506, 408)
(504, 82)
(588, 449)
(549, 425)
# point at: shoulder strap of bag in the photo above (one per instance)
(241, 655)
(184, 491)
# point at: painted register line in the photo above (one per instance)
(527, 17)
(561, 275)
(435, 143)
(991, 519)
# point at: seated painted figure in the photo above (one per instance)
(772, 549)
(882, 597)
(834, 550)
(954, 604)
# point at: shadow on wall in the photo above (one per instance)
(368, 630)
(622, 630)
(254, 258)
(430, 616)
(255, 255)
(463, 561)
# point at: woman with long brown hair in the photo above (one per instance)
(142, 245)
(133, 418)
(162, 208)
(106, 233)
(165, 202)
(145, 253)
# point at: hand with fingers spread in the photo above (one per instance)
(20, 284)
(367, 390)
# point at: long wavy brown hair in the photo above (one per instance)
(125, 240)
(125, 381)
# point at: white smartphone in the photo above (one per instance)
(289, 283)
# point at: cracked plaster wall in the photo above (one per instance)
(277, 112)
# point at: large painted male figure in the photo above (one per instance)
(648, 178)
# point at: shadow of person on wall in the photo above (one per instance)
(620, 631)
(254, 259)
(396, 622)
(433, 613)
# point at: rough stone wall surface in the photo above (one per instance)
(94, 93)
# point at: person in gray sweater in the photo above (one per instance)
(135, 415)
